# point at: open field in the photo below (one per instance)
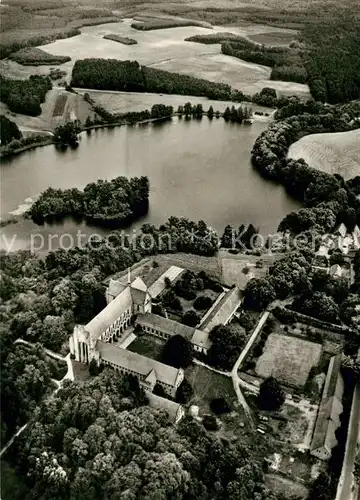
(208, 385)
(167, 49)
(59, 107)
(239, 269)
(123, 102)
(288, 359)
(336, 153)
(274, 38)
(284, 486)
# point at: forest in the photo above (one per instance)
(332, 61)
(286, 62)
(25, 96)
(100, 438)
(8, 130)
(112, 203)
(113, 74)
(328, 199)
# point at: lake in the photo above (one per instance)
(198, 169)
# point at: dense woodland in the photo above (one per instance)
(25, 96)
(113, 74)
(332, 61)
(8, 130)
(100, 439)
(329, 200)
(286, 63)
(115, 203)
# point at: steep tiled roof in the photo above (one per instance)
(328, 419)
(165, 325)
(158, 402)
(137, 363)
(201, 339)
(115, 287)
(170, 327)
(109, 314)
(172, 273)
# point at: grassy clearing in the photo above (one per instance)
(208, 385)
(81, 371)
(239, 269)
(147, 346)
(284, 486)
(288, 359)
(335, 153)
(273, 38)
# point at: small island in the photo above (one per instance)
(113, 204)
(121, 39)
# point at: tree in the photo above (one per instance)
(177, 352)
(220, 406)
(184, 392)
(190, 318)
(271, 396)
(320, 489)
(188, 109)
(67, 134)
(259, 292)
(227, 114)
(210, 423)
(211, 112)
(159, 390)
(227, 342)
(93, 368)
(8, 130)
(202, 302)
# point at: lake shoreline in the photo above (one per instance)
(48, 142)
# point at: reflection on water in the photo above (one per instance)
(198, 169)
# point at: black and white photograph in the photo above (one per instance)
(180, 249)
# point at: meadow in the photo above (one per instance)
(166, 49)
(288, 359)
(335, 153)
(124, 102)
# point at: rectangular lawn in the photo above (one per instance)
(288, 359)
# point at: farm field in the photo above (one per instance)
(122, 102)
(336, 153)
(59, 106)
(167, 49)
(288, 359)
(239, 269)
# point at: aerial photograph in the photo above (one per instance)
(180, 249)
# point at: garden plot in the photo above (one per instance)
(288, 359)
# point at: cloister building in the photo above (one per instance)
(96, 340)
